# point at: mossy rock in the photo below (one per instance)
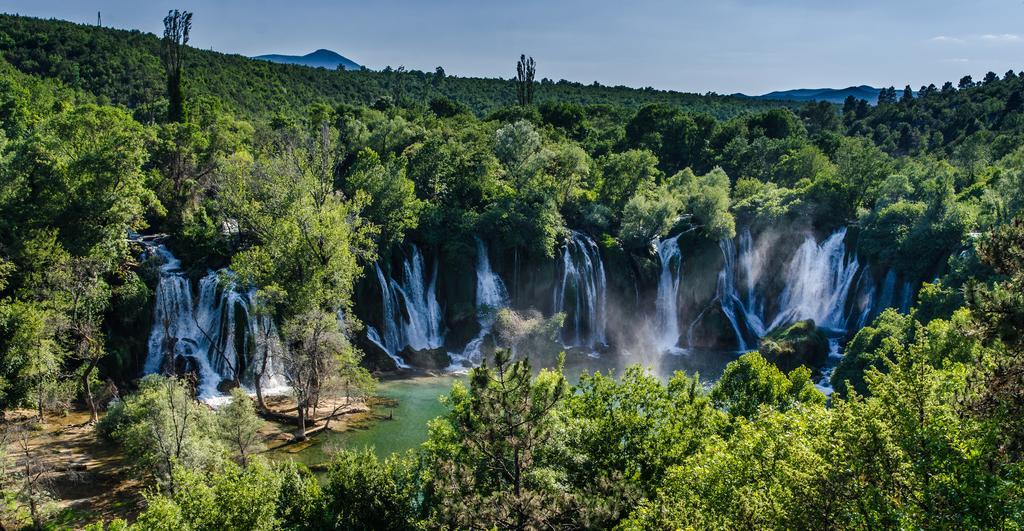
(802, 343)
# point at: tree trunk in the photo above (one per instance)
(30, 488)
(39, 400)
(260, 404)
(93, 417)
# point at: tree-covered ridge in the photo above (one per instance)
(123, 67)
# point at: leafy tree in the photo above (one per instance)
(313, 346)
(487, 456)
(300, 502)
(706, 200)
(239, 426)
(393, 206)
(622, 435)
(679, 140)
(570, 168)
(624, 174)
(776, 124)
(869, 349)
(648, 215)
(162, 427)
(305, 239)
(232, 498)
(529, 332)
(85, 296)
(751, 382)
(516, 144)
(764, 475)
(862, 167)
(362, 492)
(821, 117)
(763, 203)
(31, 359)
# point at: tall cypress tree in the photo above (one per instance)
(176, 28)
(525, 70)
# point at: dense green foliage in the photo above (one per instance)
(301, 178)
(523, 452)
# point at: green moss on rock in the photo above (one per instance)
(802, 343)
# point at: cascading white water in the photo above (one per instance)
(423, 325)
(818, 280)
(749, 262)
(203, 331)
(581, 292)
(888, 292)
(411, 316)
(906, 296)
(863, 303)
(491, 296)
(666, 306)
(391, 341)
(726, 294)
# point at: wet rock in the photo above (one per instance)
(374, 357)
(225, 386)
(430, 359)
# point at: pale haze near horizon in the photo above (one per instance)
(723, 46)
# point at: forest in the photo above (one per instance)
(665, 310)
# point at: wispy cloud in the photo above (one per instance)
(992, 38)
(958, 60)
(1001, 37)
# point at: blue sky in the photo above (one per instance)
(725, 46)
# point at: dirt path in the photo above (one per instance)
(86, 478)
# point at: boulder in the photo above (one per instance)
(802, 343)
(711, 331)
(430, 359)
(225, 386)
(374, 357)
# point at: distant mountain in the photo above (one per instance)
(318, 59)
(862, 92)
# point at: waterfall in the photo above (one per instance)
(667, 304)
(817, 281)
(749, 263)
(888, 290)
(864, 299)
(906, 296)
(490, 297)
(423, 313)
(581, 293)
(410, 316)
(214, 334)
(391, 341)
(742, 308)
(726, 293)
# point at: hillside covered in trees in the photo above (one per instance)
(134, 168)
(124, 68)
